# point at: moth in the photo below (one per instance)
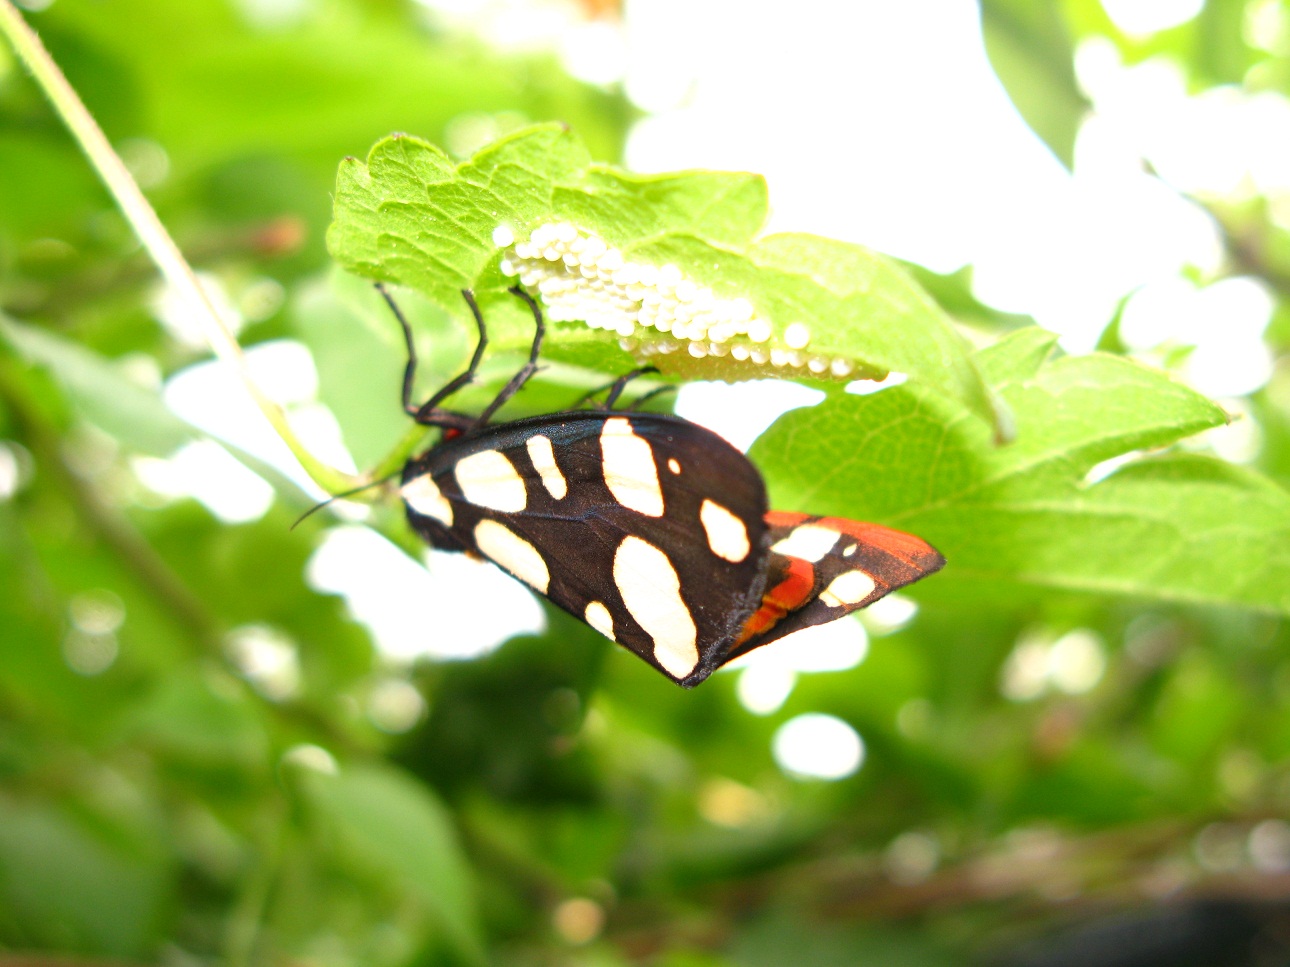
(650, 528)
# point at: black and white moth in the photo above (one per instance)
(648, 527)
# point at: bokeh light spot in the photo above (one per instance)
(267, 658)
(1142, 18)
(578, 920)
(395, 706)
(817, 746)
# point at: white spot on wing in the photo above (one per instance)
(488, 479)
(629, 468)
(727, 535)
(651, 591)
(598, 616)
(500, 544)
(848, 588)
(673, 465)
(808, 542)
(543, 457)
(423, 496)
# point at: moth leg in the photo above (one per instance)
(615, 389)
(424, 413)
(519, 379)
(410, 370)
(646, 397)
(617, 386)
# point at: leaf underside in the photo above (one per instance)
(410, 216)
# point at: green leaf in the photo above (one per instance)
(131, 414)
(188, 721)
(723, 207)
(103, 394)
(1031, 50)
(1180, 527)
(819, 309)
(876, 302)
(1196, 709)
(81, 883)
(393, 824)
(408, 215)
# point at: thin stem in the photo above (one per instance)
(152, 234)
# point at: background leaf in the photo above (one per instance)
(396, 826)
(119, 407)
(1179, 527)
(1027, 43)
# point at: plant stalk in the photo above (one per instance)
(152, 234)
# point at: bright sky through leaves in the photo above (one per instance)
(886, 141)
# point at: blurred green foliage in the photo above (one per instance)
(559, 802)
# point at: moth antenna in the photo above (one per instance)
(334, 497)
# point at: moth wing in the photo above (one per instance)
(828, 567)
(647, 527)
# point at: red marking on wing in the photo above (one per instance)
(892, 558)
(796, 587)
(784, 518)
(912, 550)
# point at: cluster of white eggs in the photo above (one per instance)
(653, 309)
